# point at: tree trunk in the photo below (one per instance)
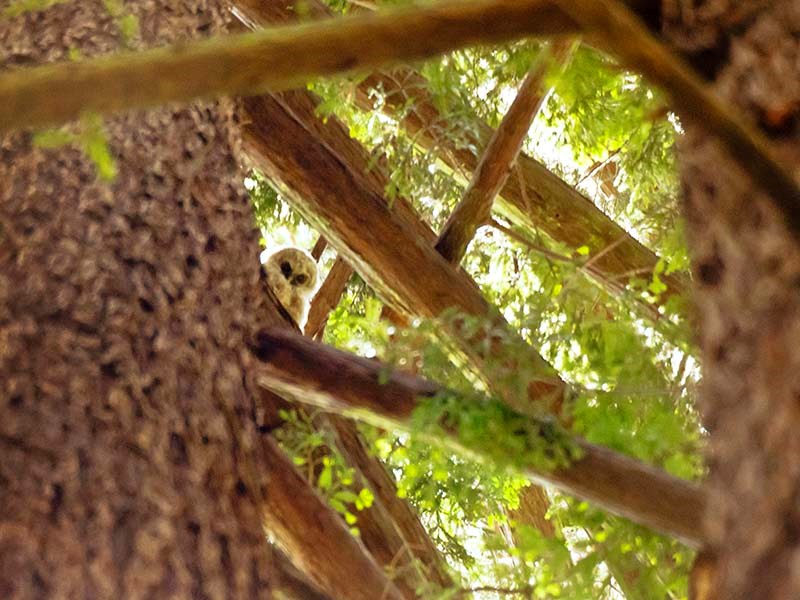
(132, 460)
(129, 451)
(747, 267)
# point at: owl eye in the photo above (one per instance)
(301, 279)
(286, 269)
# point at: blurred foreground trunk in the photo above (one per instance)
(747, 269)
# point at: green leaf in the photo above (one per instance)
(325, 478)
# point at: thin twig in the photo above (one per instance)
(527, 243)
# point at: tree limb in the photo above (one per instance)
(497, 160)
(275, 59)
(328, 296)
(338, 381)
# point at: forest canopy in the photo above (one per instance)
(610, 135)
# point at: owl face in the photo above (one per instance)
(296, 268)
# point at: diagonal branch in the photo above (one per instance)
(497, 160)
(276, 59)
(338, 381)
(328, 297)
(624, 35)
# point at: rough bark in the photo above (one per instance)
(130, 464)
(498, 158)
(279, 59)
(747, 267)
(313, 373)
(131, 438)
(543, 202)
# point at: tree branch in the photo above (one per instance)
(319, 248)
(624, 35)
(337, 381)
(328, 296)
(276, 59)
(498, 159)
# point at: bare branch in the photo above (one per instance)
(497, 160)
(328, 296)
(319, 248)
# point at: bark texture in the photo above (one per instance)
(127, 425)
(748, 272)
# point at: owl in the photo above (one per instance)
(292, 275)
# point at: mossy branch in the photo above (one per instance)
(361, 388)
(275, 59)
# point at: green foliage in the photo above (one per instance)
(316, 456)
(19, 7)
(127, 23)
(497, 432)
(90, 137)
(634, 379)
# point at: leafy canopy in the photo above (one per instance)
(604, 131)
